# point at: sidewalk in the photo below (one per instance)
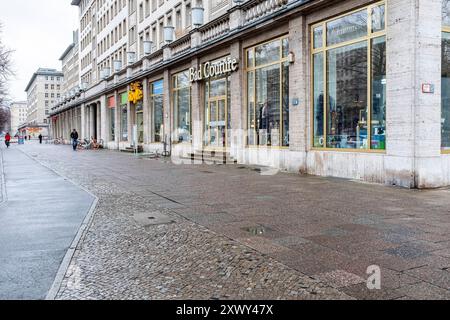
(38, 222)
(237, 234)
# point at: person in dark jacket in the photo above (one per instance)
(40, 138)
(74, 137)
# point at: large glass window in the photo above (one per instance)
(445, 72)
(268, 93)
(349, 81)
(112, 111)
(181, 90)
(157, 109)
(124, 117)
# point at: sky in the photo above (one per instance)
(39, 31)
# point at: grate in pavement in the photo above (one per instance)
(256, 230)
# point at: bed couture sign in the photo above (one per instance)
(213, 69)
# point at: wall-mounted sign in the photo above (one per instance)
(427, 88)
(135, 94)
(213, 69)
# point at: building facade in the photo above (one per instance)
(354, 89)
(43, 89)
(18, 116)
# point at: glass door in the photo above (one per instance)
(216, 118)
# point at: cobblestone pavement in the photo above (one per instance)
(230, 233)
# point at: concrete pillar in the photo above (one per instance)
(196, 112)
(413, 117)
(83, 121)
(168, 118)
(237, 104)
(298, 115)
(99, 120)
(146, 112)
(104, 119)
(117, 100)
(91, 120)
(130, 121)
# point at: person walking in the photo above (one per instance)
(7, 139)
(74, 137)
(40, 138)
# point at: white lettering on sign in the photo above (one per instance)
(211, 70)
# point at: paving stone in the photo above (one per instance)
(206, 253)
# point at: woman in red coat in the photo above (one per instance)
(7, 139)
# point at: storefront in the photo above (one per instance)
(348, 90)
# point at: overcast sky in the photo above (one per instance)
(39, 31)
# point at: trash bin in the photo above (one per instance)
(20, 140)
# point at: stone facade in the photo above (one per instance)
(413, 156)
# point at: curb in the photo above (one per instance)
(56, 286)
(4, 195)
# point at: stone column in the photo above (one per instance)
(168, 118)
(118, 132)
(104, 119)
(413, 117)
(129, 120)
(83, 121)
(98, 107)
(91, 120)
(196, 113)
(146, 112)
(298, 114)
(237, 104)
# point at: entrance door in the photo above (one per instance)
(217, 123)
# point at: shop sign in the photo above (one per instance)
(213, 69)
(135, 94)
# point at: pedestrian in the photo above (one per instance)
(25, 137)
(74, 137)
(7, 139)
(40, 138)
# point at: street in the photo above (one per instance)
(166, 231)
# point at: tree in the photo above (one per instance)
(5, 74)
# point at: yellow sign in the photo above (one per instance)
(135, 94)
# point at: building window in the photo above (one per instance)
(188, 15)
(181, 93)
(158, 110)
(124, 116)
(445, 84)
(268, 93)
(349, 66)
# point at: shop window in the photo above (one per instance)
(112, 117)
(181, 93)
(124, 116)
(158, 110)
(349, 81)
(268, 93)
(445, 81)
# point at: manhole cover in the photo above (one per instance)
(256, 230)
(151, 218)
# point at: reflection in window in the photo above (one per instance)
(347, 96)
(343, 111)
(445, 95)
(446, 13)
(268, 94)
(378, 116)
(124, 117)
(182, 106)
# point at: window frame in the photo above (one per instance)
(445, 29)
(252, 69)
(324, 50)
(175, 88)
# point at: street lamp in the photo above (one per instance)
(168, 34)
(197, 16)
